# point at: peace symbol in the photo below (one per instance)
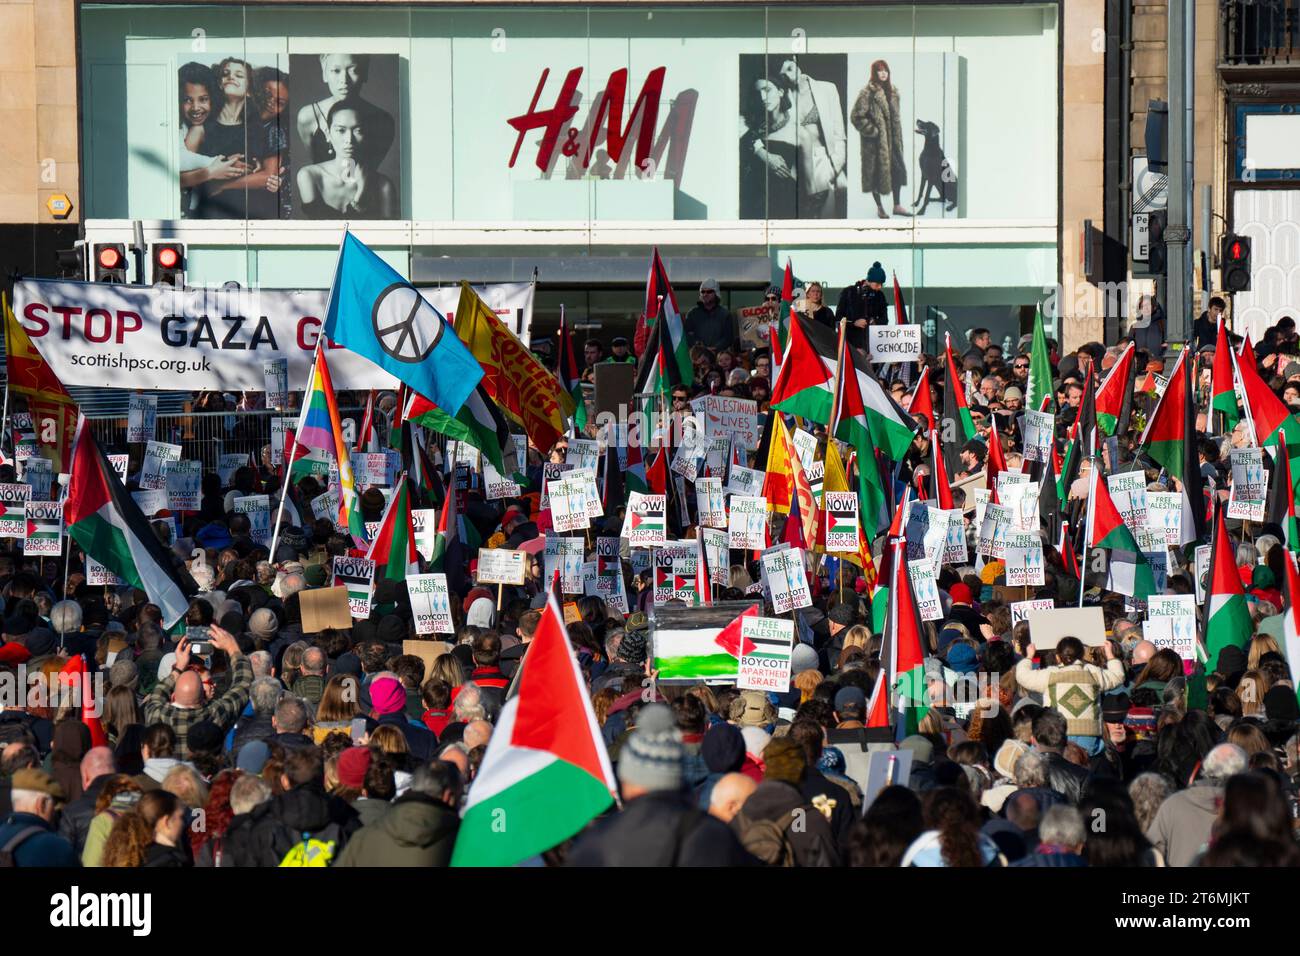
(406, 326)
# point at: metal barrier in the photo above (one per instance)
(206, 436)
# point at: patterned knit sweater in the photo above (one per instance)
(1073, 691)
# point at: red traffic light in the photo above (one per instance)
(168, 257)
(1234, 252)
(110, 258)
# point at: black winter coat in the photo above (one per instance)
(659, 829)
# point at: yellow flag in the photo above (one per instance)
(778, 483)
(834, 478)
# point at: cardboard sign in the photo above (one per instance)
(767, 644)
(184, 479)
(1024, 560)
(156, 456)
(744, 481)
(1128, 490)
(1249, 486)
(1047, 627)
(1165, 515)
(430, 603)
(141, 417)
(258, 509)
(1020, 609)
(324, 608)
(645, 521)
(355, 576)
(227, 465)
(13, 522)
(97, 575)
(787, 580)
(1038, 429)
(275, 379)
(566, 556)
(1180, 611)
(710, 503)
(427, 651)
(676, 564)
(120, 464)
(44, 529)
(734, 418)
(501, 566)
(747, 522)
(894, 343)
(717, 555)
(842, 532)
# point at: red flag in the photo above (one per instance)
(657, 474)
(74, 678)
(942, 489)
(900, 308)
(922, 402)
(729, 638)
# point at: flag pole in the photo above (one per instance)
(1092, 496)
(288, 468)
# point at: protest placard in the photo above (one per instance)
(13, 522)
(710, 503)
(842, 531)
(227, 465)
(1165, 515)
(744, 481)
(39, 473)
(689, 456)
(766, 647)
(281, 425)
(430, 603)
(44, 529)
(566, 556)
(551, 471)
(497, 486)
(156, 456)
(97, 575)
(955, 551)
(582, 453)
(1249, 487)
(816, 473)
(1020, 609)
(1201, 558)
(258, 509)
(717, 555)
(747, 522)
(424, 522)
(1038, 429)
(357, 576)
(787, 580)
(325, 608)
(805, 445)
(925, 588)
(734, 418)
(1048, 626)
(569, 504)
(120, 463)
(1180, 611)
(501, 566)
(275, 378)
(184, 479)
(150, 501)
(645, 520)
(1128, 489)
(894, 343)
(1024, 561)
(141, 417)
(691, 643)
(674, 577)
(994, 531)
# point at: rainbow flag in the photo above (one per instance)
(319, 442)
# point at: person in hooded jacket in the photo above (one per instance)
(303, 811)
(778, 799)
(419, 828)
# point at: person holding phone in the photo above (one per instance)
(178, 700)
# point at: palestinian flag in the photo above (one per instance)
(1038, 389)
(906, 370)
(661, 303)
(1069, 560)
(957, 428)
(774, 342)
(367, 439)
(787, 304)
(1291, 621)
(1170, 439)
(1223, 383)
(921, 402)
(448, 556)
(804, 386)
(878, 706)
(652, 521)
(635, 475)
(939, 475)
(612, 495)
(1281, 503)
(901, 647)
(393, 549)
(570, 375)
(657, 474)
(108, 526)
(1227, 617)
(730, 639)
(1272, 421)
(868, 419)
(795, 533)
(657, 373)
(1128, 571)
(994, 464)
(1115, 397)
(1246, 354)
(546, 773)
(75, 674)
(479, 423)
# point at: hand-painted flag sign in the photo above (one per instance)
(842, 521)
(357, 575)
(767, 666)
(430, 603)
(644, 526)
(13, 522)
(44, 529)
(700, 643)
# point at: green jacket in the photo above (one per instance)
(417, 830)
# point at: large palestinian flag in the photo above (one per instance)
(479, 423)
(1227, 618)
(1170, 439)
(1115, 396)
(108, 525)
(805, 384)
(393, 549)
(546, 773)
(1127, 571)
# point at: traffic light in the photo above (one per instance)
(72, 263)
(168, 263)
(1234, 261)
(110, 262)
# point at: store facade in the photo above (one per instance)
(558, 142)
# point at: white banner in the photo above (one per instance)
(203, 339)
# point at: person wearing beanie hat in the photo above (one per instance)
(352, 766)
(263, 624)
(862, 304)
(804, 658)
(709, 323)
(766, 824)
(660, 824)
(723, 751)
(962, 658)
(253, 756)
(386, 696)
(962, 612)
(388, 706)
